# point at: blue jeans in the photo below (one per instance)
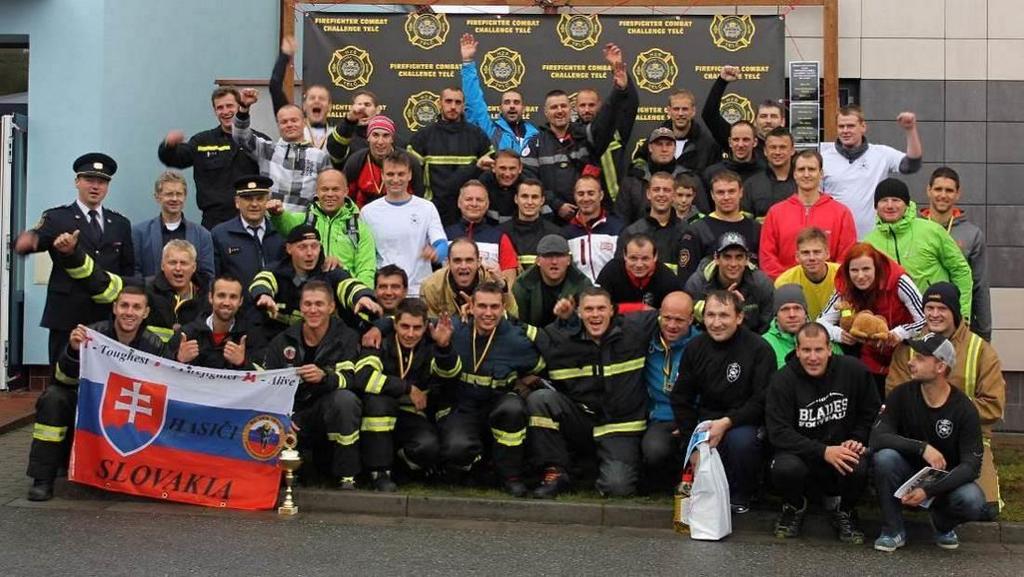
(965, 503)
(742, 458)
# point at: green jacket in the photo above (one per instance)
(785, 343)
(343, 235)
(926, 251)
(527, 291)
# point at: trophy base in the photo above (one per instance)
(288, 510)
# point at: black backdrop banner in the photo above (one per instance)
(407, 59)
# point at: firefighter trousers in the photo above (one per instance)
(53, 431)
(330, 426)
(464, 429)
(556, 423)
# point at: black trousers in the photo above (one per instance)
(330, 427)
(53, 431)
(503, 419)
(58, 339)
(418, 441)
(793, 476)
(556, 423)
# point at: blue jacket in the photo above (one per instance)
(658, 388)
(237, 253)
(499, 131)
(148, 242)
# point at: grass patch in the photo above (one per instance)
(1010, 462)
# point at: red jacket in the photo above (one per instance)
(785, 220)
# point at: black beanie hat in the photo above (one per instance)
(945, 293)
(892, 187)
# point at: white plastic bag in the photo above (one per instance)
(707, 512)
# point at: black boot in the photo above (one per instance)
(514, 486)
(845, 524)
(555, 481)
(381, 481)
(41, 490)
(790, 521)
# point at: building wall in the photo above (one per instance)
(115, 76)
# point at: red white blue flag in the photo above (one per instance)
(154, 427)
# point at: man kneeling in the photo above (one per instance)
(819, 411)
(929, 422)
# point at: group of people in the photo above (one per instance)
(502, 296)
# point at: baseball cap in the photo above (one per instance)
(936, 345)
(731, 239)
(301, 233)
(661, 132)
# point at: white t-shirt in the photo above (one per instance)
(401, 231)
(853, 183)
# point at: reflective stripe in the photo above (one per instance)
(441, 159)
(971, 367)
(487, 381)
(531, 332)
(544, 423)
(609, 171)
(591, 370)
(49, 433)
(80, 272)
(165, 334)
(113, 289)
(624, 367)
(212, 147)
(627, 427)
(574, 373)
(376, 384)
(371, 361)
(442, 414)
(454, 372)
(343, 439)
(339, 371)
(66, 379)
(347, 289)
(513, 439)
(378, 424)
(526, 260)
(698, 311)
(412, 409)
(264, 279)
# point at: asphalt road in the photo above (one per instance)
(160, 539)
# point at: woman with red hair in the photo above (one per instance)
(868, 280)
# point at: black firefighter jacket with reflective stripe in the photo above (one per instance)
(512, 355)
(167, 312)
(145, 341)
(605, 378)
(335, 355)
(67, 303)
(211, 354)
(286, 289)
(378, 371)
(449, 152)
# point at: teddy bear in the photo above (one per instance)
(867, 325)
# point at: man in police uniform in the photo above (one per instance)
(246, 245)
(104, 234)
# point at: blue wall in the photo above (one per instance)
(115, 76)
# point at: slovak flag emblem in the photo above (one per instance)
(132, 413)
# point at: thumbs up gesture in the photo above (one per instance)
(234, 353)
(188, 350)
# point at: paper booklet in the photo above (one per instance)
(923, 478)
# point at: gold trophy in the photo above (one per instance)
(289, 460)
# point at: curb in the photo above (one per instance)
(599, 514)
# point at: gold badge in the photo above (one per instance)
(426, 30)
(655, 70)
(735, 107)
(502, 69)
(250, 184)
(421, 109)
(579, 31)
(732, 32)
(97, 165)
(350, 68)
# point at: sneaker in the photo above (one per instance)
(514, 486)
(381, 481)
(41, 490)
(790, 521)
(347, 484)
(555, 481)
(947, 540)
(845, 524)
(890, 543)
